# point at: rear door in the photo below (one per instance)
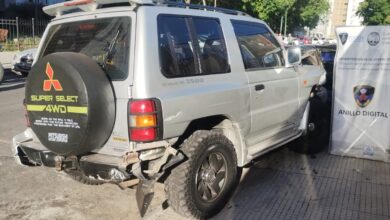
(273, 88)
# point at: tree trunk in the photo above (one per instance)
(204, 2)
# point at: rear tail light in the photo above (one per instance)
(76, 3)
(145, 120)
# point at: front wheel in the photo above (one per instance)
(201, 186)
(316, 138)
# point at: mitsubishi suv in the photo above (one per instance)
(132, 92)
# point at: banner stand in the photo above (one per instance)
(361, 98)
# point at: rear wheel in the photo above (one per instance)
(201, 186)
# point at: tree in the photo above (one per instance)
(270, 11)
(375, 12)
(300, 13)
(308, 12)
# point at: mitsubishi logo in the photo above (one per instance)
(51, 82)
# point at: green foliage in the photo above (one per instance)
(375, 12)
(24, 43)
(307, 13)
(270, 11)
(301, 13)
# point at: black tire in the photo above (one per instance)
(316, 137)
(184, 185)
(25, 74)
(79, 176)
(70, 103)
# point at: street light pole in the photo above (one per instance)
(285, 23)
(281, 25)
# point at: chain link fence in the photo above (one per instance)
(20, 34)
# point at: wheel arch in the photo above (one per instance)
(223, 124)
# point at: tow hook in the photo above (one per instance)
(61, 163)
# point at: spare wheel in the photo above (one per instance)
(70, 103)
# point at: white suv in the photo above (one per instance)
(133, 90)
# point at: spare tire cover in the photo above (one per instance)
(70, 103)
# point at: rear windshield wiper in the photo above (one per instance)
(110, 50)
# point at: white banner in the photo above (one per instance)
(361, 109)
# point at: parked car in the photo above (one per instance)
(328, 54)
(332, 41)
(303, 40)
(184, 94)
(1, 72)
(23, 60)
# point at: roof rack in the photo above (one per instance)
(180, 4)
(91, 5)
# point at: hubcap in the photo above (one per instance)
(311, 126)
(211, 176)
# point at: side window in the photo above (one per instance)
(259, 48)
(213, 54)
(175, 47)
(191, 46)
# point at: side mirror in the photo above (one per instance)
(294, 56)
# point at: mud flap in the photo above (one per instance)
(145, 188)
(144, 195)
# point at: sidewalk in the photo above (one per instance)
(286, 185)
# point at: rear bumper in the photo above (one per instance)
(102, 167)
(107, 168)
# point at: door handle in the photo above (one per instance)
(259, 87)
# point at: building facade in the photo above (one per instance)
(341, 13)
(352, 18)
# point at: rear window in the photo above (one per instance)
(106, 41)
